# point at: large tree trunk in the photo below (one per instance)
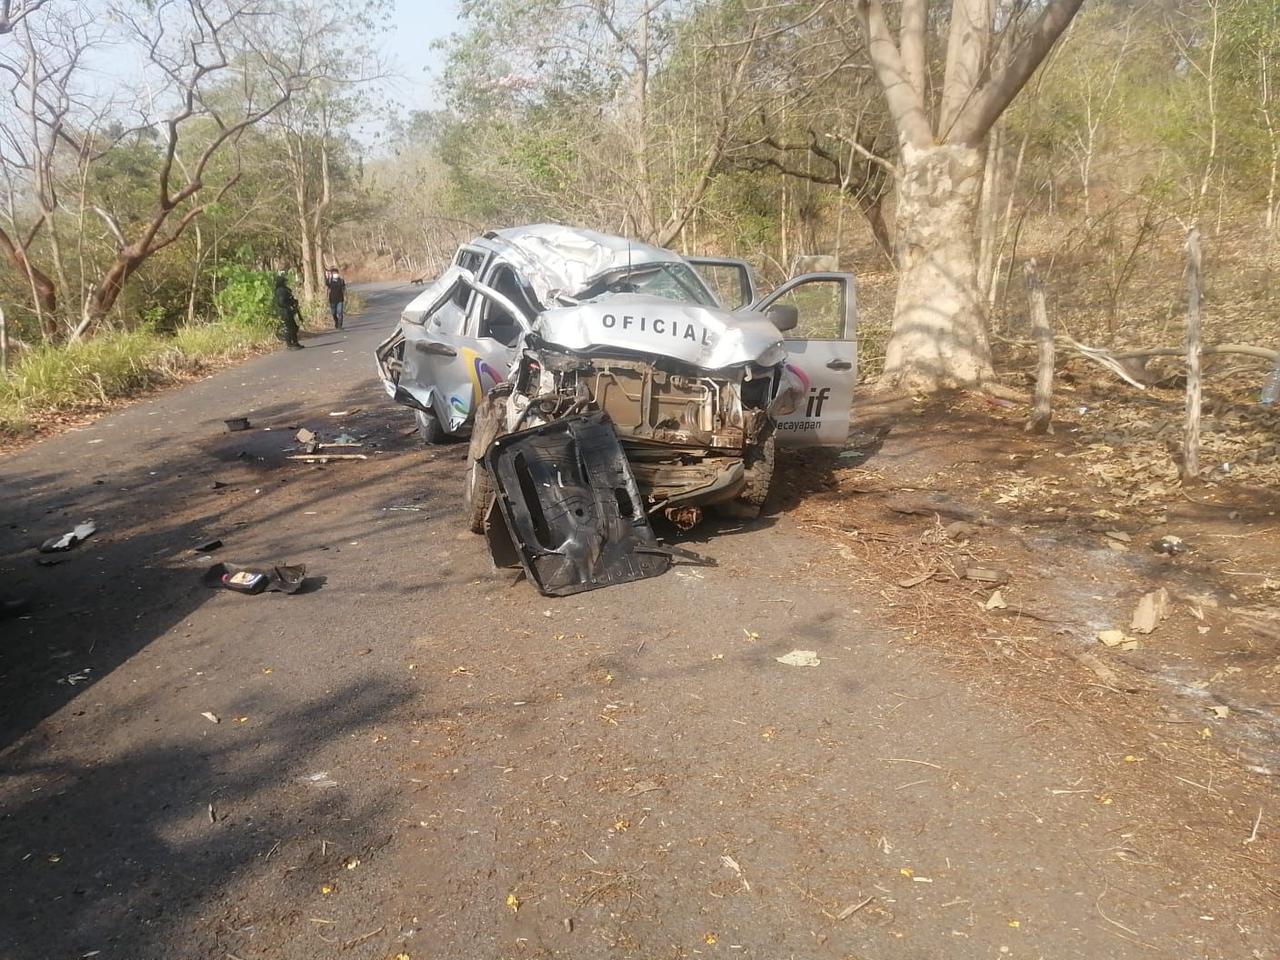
(105, 293)
(939, 335)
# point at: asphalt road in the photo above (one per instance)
(416, 756)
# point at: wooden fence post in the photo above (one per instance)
(1042, 412)
(1195, 288)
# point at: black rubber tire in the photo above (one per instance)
(477, 494)
(759, 462)
(429, 428)
(477, 485)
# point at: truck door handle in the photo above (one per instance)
(839, 365)
(435, 348)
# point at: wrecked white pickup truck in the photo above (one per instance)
(539, 325)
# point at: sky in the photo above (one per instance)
(416, 24)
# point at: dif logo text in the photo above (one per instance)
(818, 397)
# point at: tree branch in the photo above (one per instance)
(985, 108)
(906, 105)
(912, 37)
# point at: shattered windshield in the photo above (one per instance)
(671, 281)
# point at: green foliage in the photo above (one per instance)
(245, 297)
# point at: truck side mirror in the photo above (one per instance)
(784, 316)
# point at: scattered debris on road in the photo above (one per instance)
(995, 602)
(236, 424)
(1150, 611)
(282, 578)
(1117, 638)
(800, 658)
(207, 546)
(986, 575)
(82, 532)
(211, 716)
(326, 457)
(853, 908)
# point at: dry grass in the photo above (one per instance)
(54, 382)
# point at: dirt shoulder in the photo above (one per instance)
(1009, 554)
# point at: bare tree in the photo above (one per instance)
(214, 65)
(312, 125)
(12, 14)
(43, 118)
(939, 330)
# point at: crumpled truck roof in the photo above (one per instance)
(558, 260)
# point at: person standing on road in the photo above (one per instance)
(287, 310)
(337, 296)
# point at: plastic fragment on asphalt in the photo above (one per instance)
(80, 533)
(211, 716)
(799, 658)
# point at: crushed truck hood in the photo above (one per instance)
(700, 336)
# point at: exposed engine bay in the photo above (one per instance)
(685, 430)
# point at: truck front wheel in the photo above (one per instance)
(477, 491)
(758, 462)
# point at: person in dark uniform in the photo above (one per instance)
(287, 311)
(337, 296)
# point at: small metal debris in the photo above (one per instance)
(236, 424)
(70, 539)
(1169, 545)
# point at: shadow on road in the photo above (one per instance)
(119, 856)
(138, 576)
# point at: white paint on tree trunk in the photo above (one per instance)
(939, 327)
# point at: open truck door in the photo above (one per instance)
(441, 360)
(818, 313)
